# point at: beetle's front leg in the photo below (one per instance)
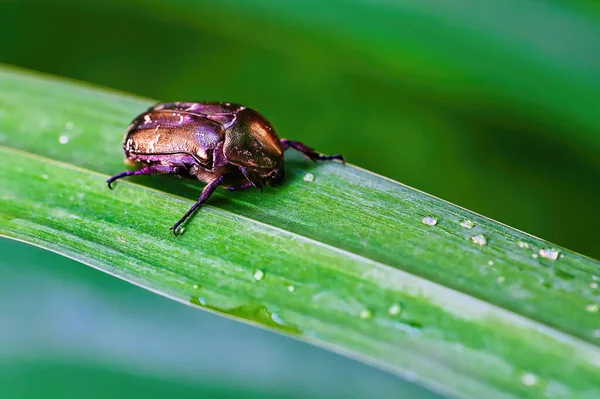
(206, 193)
(252, 179)
(148, 170)
(308, 151)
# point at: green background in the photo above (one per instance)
(490, 105)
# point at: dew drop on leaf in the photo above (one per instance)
(528, 379)
(548, 253)
(275, 317)
(479, 240)
(309, 177)
(394, 310)
(365, 314)
(592, 307)
(258, 275)
(198, 301)
(428, 220)
(467, 224)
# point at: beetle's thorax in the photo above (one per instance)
(251, 142)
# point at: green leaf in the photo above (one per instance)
(350, 261)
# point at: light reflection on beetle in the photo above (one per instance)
(221, 144)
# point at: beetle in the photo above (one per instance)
(219, 143)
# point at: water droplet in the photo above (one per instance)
(365, 314)
(275, 317)
(291, 288)
(490, 263)
(394, 310)
(534, 256)
(592, 307)
(479, 240)
(594, 285)
(45, 177)
(69, 125)
(528, 379)
(121, 239)
(258, 275)
(63, 139)
(548, 253)
(522, 244)
(309, 177)
(198, 301)
(428, 220)
(500, 279)
(597, 333)
(195, 286)
(467, 224)
(258, 313)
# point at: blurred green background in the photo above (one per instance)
(492, 105)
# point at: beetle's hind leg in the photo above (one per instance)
(149, 170)
(206, 193)
(308, 151)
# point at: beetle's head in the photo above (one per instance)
(252, 144)
(275, 178)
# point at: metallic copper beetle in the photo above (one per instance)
(221, 144)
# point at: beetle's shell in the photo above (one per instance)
(207, 139)
(173, 132)
(224, 113)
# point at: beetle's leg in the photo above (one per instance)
(308, 151)
(148, 170)
(206, 193)
(241, 186)
(255, 181)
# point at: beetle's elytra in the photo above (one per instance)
(221, 144)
